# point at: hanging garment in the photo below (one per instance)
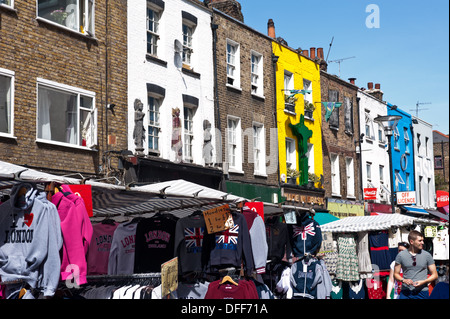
(329, 252)
(305, 278)
(99, 248)
(244, 290)
(305, 237)
(364, 262)
(324, 287)
(441, 245)
(232, 246)
(337, 291)
(30, 230)
(121, 255)
(155, 243)
(196, 290)
(347, 268)
(379, 249)
(376, 288)
(190, 233)
(277, 239)
(258, 239)
(356, 290)
(283, 286)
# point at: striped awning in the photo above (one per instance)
(371, 223)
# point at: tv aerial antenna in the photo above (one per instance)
(418, 107)
(338, 61)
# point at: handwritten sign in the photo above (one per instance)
(218, 219)
(169, 276)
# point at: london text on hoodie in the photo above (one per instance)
(30, 241)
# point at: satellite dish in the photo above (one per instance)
(178, 46)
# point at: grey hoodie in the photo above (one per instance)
(30, 239)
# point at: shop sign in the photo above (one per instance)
(303, 199)
(257, 207)
(169, 276)
(85, 192)
(442, 198)
(218, 219)
(406, 198)
(370, 193)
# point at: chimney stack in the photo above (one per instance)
(312, 53)
(352, 80)
(271, 29)
(375, 92)
(377, 86)
(230, 7)
(370, 86)
(320, 53)
(305, 53)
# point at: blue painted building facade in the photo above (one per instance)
(402, 151)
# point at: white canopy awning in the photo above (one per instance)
(179, 197)
(371, 223)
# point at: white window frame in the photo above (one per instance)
(11, 75)
(188, 116)
(10, 5)
(369, 131)
(350, 170)
(406, 137)
(154, 126)
(381, 172)
(188, 30)
(369, 171)
(234, 144)
(92, 132)
(154, 34)
(396, 138)
(72, 23)
(233, 64)
(335, 175)
(259, 149)
(291, 160)
(256, 73)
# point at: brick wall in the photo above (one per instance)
(241, 103)
(36, 49)
(442, 181)
(338, 141)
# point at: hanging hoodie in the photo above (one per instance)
(189, 237)
(305, 278)
(77, 234)
(277, 239)
(305, 237)
(30, 239)
(257, 232)
(232, 246)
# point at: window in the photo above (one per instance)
(256, 74)
(9, 3)
(420, 191)
(188, 31)
(66, 114)
(381, 171)
(438, 163)
(348, 109)
(288, 86)
(398, 180)
(153, 19)
(396, 138)
(233, 71)
(419, 144)
(310, 156)
(6, 102)
(259, 149)
(153, 123)
(407, 181)
(368, 126)
(333, 96)
(234, 144)
(335, 177)
(350, 176)
(369, 171)
(188, 133)
(290, 153)
(427, 139)
(77, 15)
(380, 134)
(406, 136)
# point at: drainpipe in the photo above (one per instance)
(360, 152)
(274, 64)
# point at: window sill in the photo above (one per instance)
(190, 72)
(235, 171)
(84, 148)
(369, 140)
(259, 174)
(334, 128)
(336, 195)
(309, 118)
(258, 97)
(5, 135)
(152, 58)
(234, 88)
(48, 22)
(8, 8)
(290, 112)
(351, 197)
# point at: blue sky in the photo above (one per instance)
(408, 54)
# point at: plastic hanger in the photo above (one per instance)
(228, 279)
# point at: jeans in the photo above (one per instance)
(408, 294)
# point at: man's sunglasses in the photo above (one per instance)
(414, 260)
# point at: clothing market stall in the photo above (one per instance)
(361, 251)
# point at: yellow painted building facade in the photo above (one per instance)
(297, 72)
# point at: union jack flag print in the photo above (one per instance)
(194, 236)
(229, 236)
(304, 231)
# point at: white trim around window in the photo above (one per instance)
(7, 99)
(257, 74)
(234, 144)
(259, 149)
(233, 64)
(66, 115)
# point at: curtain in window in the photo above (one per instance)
(44, 104)
(71, 118)
(5, 104)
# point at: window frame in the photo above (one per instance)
(348, 115)
(291, 160)
(350, 171)
(233, 80)
(155, 125)
(257, 87)
(188, 133)
(186, 56)
(234, 144)
(155, 35)
(259, 150)
(437, 159)
(335, 175)
(67, 89)
(9, 6)
(334, 120)
(11, 75)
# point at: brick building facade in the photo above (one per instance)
(441, 160)
(79, 63)
(245, 107)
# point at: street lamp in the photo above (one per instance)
(389, 123)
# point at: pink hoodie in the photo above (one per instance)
(77, 233)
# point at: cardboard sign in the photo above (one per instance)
(218, 219)
(442, 198)
(406, 198)
(85, 192)
(169, 276)
(257, 207)
(370, 193)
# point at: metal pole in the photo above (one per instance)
(391, 175)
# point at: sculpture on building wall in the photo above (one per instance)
(207, 143)
(177, 144)
(139, 130)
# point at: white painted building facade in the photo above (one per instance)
(170, 68)
(375, 166)
(424, 164)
